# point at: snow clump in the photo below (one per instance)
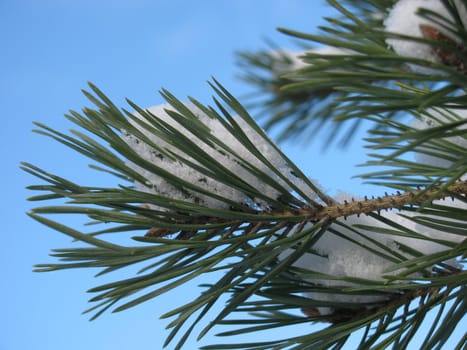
(228, 151)
(404, 19)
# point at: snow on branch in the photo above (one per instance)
(211, 138)
(436, 23)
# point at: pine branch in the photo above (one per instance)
(254, 242)
(398, 201)
(345, 209)
(204, 191)
(357, 73)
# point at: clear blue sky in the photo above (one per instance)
(50, 49)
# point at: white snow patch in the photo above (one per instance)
(233, 155)
(287, 61)
(347, 254)
(404, 19)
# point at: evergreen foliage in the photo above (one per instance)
(277, 247)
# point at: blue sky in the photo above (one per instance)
(50, 49)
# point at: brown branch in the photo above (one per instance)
(447, 56)
(345, 209)
(396, 201)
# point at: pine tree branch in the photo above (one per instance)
(338, 210)
(397, 201)
(361, 76)
(255, 245)
(207, 192)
